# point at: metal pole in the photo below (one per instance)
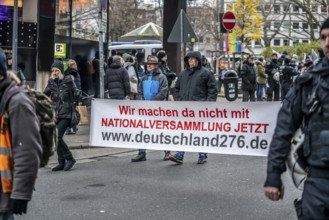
(15, 34)
(182, 54)
(70, 34)
(101, 51)
(221, 40)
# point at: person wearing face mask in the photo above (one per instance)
(271, 68)
(63, 91)
(195, 83)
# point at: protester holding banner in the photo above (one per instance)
(195, 83)
(307, 102)
(153, 87)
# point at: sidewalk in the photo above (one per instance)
(79, 145)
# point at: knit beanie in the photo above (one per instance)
(324, 25)
(3, 63)
(59, 65)
(161, 54)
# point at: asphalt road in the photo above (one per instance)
(112, 188)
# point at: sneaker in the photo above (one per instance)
(202, 159)
(70, 131)
(166, 156)
(176, 158)
(69, 164)
(59, 167)
(139, 158)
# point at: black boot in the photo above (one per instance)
(70, 161)
(60, 166)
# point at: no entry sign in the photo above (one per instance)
(228, 20)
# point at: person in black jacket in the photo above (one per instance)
(248, 76)
(195, 83)
(116, 80)
(73, 71)
(309, 91)
(63, 91)
(163, 65)
(271, 68)
(288, 72)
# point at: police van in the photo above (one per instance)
(140, 51)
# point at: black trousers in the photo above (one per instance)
(274, 87)
(315, 199)
(63, 151)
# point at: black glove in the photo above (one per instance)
(19, 206)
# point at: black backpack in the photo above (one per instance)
(45, 112)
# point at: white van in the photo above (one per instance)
(142, 50)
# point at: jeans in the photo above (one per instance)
(182, 153)
(7, 216)
(260, 89)
(63, 150)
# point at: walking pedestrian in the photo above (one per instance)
(21, 148)
(153, 87)
(195, 83)
(308, 101)
(63, 91)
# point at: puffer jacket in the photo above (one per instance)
(197, 84)
(260, 70)
(116, 80)
(64, 94)
(248, 76)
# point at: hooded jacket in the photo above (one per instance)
(197, 84)
(76, 76)
(26, 144)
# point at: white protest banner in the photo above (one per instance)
(241, 128)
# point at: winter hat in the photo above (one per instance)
(161, 54)
(3, 63)
(59, 65)
(125, 56)
(324, 25)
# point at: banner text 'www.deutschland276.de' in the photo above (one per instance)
(242, 128)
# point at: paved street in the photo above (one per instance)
(225, 188)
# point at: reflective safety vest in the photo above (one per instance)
(6, 156)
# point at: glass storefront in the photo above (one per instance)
(83, 20)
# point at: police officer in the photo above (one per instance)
(271, 68)
(310, 86)
(287, 74)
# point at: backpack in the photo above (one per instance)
(46, 115)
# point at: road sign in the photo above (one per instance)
(228, 20)
(182, 31)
